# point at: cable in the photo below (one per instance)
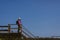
(26, 34)
(28, 31)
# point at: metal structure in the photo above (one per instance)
(6, 33)
(18, 33)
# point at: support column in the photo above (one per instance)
(9, 28)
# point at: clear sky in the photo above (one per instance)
(41, 17)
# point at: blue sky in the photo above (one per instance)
(41, 17)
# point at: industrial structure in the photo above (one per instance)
(19, 32)
(15, 32)
(8, 33)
